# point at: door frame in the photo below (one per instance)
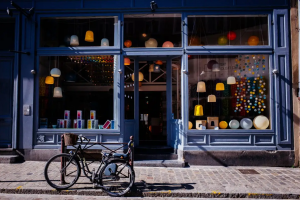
(168, 59)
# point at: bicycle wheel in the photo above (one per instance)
(116, 178)
(53, 172)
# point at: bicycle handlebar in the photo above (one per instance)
(84, 138)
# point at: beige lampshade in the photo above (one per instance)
(231, 80)
(141, 76)
(211, 98)
(151, 68)
(220, 87)
(201, 86)
(57, 93)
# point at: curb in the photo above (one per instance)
(156, 194)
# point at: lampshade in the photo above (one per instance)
(104, 42)
(151, 43)
(49, 80)
(89, 36)
(211, 98)
(220, 87)
(151, 68)
(141, 76)
(74, 41)
(198, 111)
(231, 80)
(190, 125)
(159, 62)
(261, 122)
(127, 43)
(156, 68)
(168, 44)
(57, 93)
(55, 72)
(201, 86)
(126, 61)
(216, 67)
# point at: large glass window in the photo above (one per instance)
(250, 30)
(77, 92)
(7, 34)
(79, 31)
(152, 30)
(229, 92)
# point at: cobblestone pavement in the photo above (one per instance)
(79, 197)
(197, 179)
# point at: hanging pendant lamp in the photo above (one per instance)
(89, 36)
(216, 67)
(104, 42)
(49, 80)
(231, 80)
(220, 87)
(126, 61)
(211, 98)
(74, 41)
(55, 72)
(57, 92)
(151, 68)
(156, 68)
(201, 86)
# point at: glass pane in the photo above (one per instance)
(129, 88)
(176, 88)
(7, 34)
(152, 30)
(78, 94)
(65, 32)
(230, 91)
(228, 30)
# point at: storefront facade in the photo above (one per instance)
(214, 78)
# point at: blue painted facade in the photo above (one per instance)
(25, 130)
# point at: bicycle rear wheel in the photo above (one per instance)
(53, 171)
(116, 178)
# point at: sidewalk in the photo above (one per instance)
(196, 181)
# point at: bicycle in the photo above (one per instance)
(115, 174)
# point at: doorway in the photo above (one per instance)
(151, 99)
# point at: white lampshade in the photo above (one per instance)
(231, 80)
(104, 42)
(74, 41)
(57, 93)
(141, 76)
(261, 122)
(151, 43)
(216, 67)
(55, 72)
(211, 98)
(201, 86)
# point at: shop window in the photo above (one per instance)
(77, 92)
(7, 34)
(78, 32)
(176, 88)
(152, 30)
(228, 30)
(229, 92)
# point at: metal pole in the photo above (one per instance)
(62, 160)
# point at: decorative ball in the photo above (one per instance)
(222, 40)
(234, 124)
(261, 122)
(223, 124)
(168, 44)
(211, 63)
(190, 125)
(128, 43)
(151, 43)
(231, 35)
(253, 40)
(246, 123)
(194, 41)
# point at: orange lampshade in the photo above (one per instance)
(126, 61)
(89, 36)
(253, 40)
(49, 80)
(220, 87)
(159, 62)
(127, 43)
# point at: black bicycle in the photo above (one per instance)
(114, 174)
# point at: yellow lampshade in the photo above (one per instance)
(231, 80)
(223, 124)
(201, 86)
(141, 76)
(190, 125)
(49, 80)
(126, 61)
(151, 68)
(220, 87)
(211, 98)
(198, 111)
(89, 36)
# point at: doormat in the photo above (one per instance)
(248, 171)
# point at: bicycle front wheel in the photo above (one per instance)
(62, 176)
(116, 178)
